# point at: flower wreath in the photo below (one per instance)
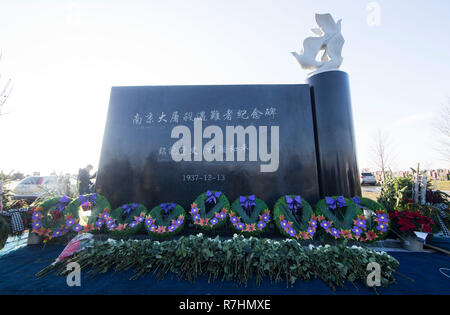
(376, 217)
(249, 215)
(354, 224)
(53, 218)
(88, 208)
(123, 221)
(294, 217)
(216, 216)
(167, 225)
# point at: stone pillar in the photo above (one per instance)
(334, 134)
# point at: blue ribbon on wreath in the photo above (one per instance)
(357, 201)
(212, 197)
(247, 203)
(294, 204)
(127, 208)
(334, 204)
(62, 203)
(168, 206)
(85, 200)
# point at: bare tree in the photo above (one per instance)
(443, 127)
(5, 91)
(382, 153)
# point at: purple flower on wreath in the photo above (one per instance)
(112, 226)
(77, 228)
(139, 219)
(99, 223)
(381, 217)
(70, 222)
(56, 233)
(240, 226)
(196, 217)
(291, 232)
(334, 204)
(222, 215)
(194, 210)
(234, 220)
(214, 221)
(109, 222)
(335, 232)
(36, 224)
(133, 224)
(311, 231)
(284, 224)
(361, 223)
(357, 231)
(179, 222)
(261, 224)
(266, 217)
(325, 225)
(153, 228)
(104, 215)
(172, 228)
(313, 223)
(148, 221)
(382, 227)
(37, 216)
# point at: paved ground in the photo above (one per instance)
(373, 189)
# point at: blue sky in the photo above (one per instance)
(64, 56)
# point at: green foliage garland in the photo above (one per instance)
(239, 259)
(214, 218)
(253, 225)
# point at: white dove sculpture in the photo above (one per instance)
(329, 40)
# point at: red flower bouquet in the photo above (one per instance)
(406, 222)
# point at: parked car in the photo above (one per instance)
(368, 179)
(33, 187)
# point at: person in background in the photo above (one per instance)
(84, 178)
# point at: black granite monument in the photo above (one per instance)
(171, 143)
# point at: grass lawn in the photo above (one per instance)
(443, 185)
